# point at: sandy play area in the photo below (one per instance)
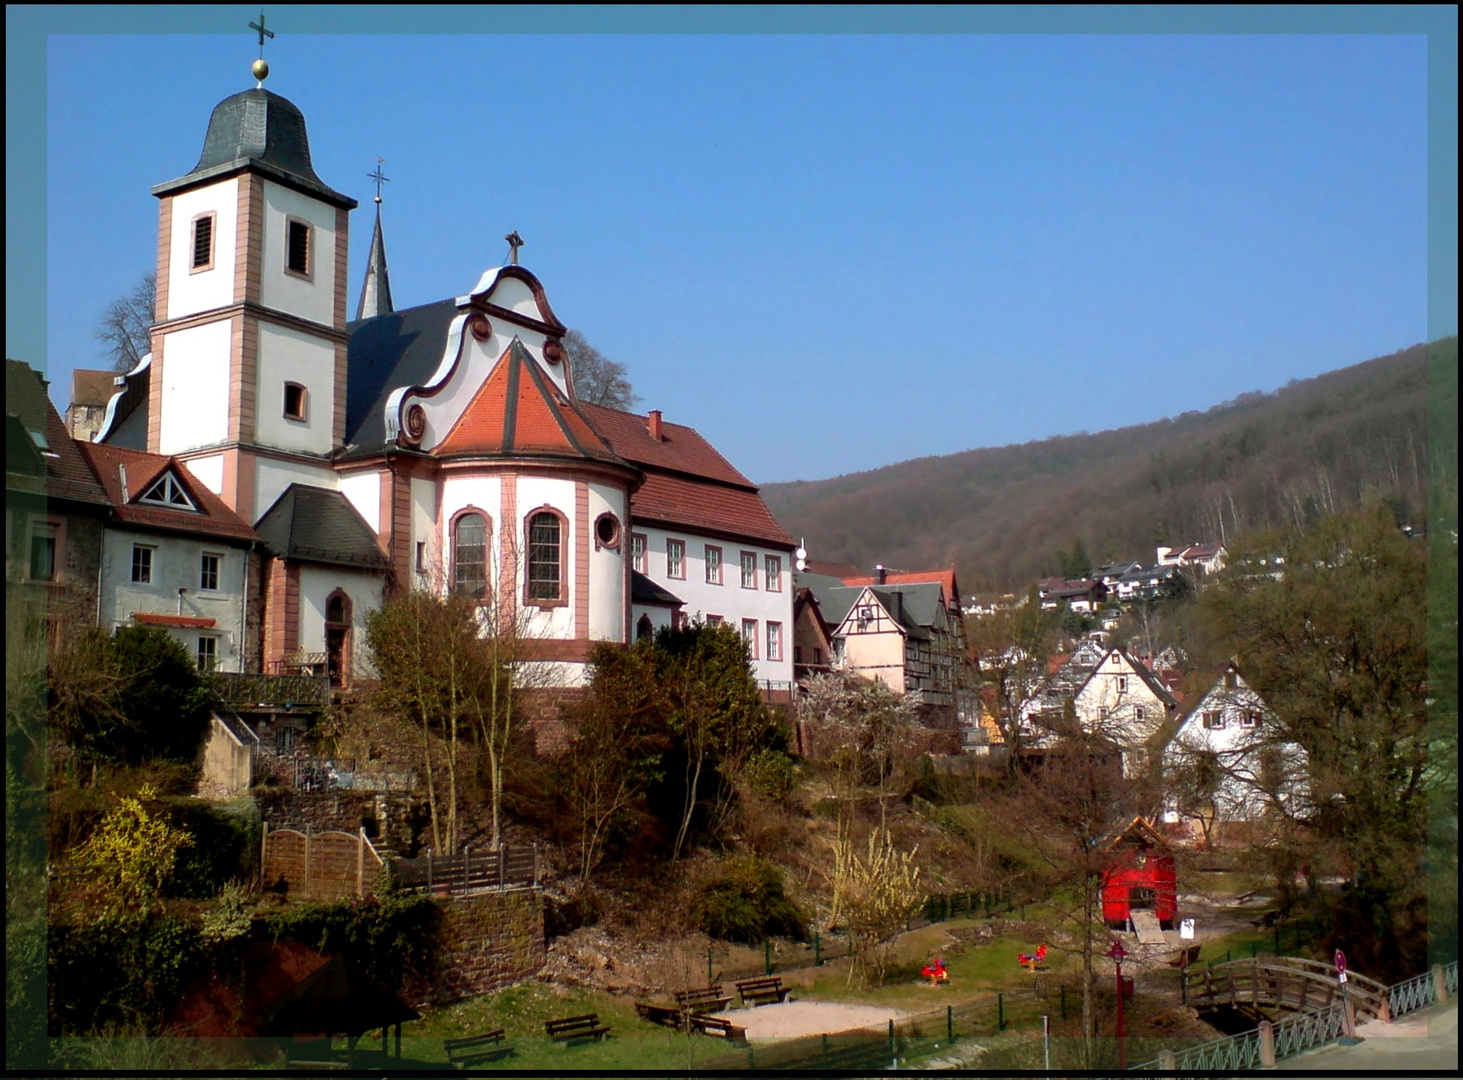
(790, 1019)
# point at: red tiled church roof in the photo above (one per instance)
(143, 469)
(517, 411)
(681, 449)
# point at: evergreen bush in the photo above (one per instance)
(742, 898)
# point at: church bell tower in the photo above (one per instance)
(249, 346)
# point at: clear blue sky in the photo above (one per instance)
(827, 252)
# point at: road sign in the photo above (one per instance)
(1340, 962)
(1186, 929)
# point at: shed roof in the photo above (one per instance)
(311, 524)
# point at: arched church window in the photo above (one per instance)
(545, 550)
(644, 629)
(337, 637)
(470, 556)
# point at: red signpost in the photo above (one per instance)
(1118, 955)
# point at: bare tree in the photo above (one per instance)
(597, 379)
(1011, 649)
(125, 327)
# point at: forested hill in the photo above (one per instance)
(1003, 515)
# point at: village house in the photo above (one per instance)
(1207, 558)
(1230, 765)
(1082, 595)
(1123, 702)
(442, 446)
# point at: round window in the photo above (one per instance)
(607, 531)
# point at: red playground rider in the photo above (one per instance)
(936, 972)
(1032, 961)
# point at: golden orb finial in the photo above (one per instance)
(260, 68)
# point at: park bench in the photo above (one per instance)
(717, 1025)
(570, 1028)
(666, 1015)
(703, 1000)
(476, 1049)
(1186, 958)
(762, 991)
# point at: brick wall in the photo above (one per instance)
(484, 942)
(542, 711)
(397, 816)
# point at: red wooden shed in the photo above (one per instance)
(1139, 875)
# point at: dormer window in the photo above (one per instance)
(202, 256)
(296, 400)
(297, 247)
(168, 492)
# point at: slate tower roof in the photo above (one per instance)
(376, 288)
(258, 130)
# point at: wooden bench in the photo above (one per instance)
(666, 1015)
(576, 1027)
(1186, 958)
(476, 1049)
(717, 1025)
(703, 1000)
(762, 991)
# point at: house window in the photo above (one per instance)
(1138, 713)
(1102, 712)
(774, 573)
(675, 558)
(1250, 718)
(714, 620)
(713, 565)
(141, 564)
(774, 641)
(202, 256)
(43, 553)
(296, 399)
(644, 629)
(1213, 719)
(749, 635)
(749, 569)
(817, 656)
(545, 550)
(208, 572)
(207, 653)
(421, 556)
(607, 532)
(168, 492)
(637, 551)
(797, 654)
(297, 247)
(469, 556)
(1122, 684)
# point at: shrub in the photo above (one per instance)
(772, 775)
(224, 848)
(742, 898)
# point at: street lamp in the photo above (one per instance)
(1118, 954)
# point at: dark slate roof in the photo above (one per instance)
(645, 591)
(258, 130)
(387, 352)
(311, 524)
(833, 596)
(921, 605)
(63, 473)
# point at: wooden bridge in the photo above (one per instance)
(1267, 985)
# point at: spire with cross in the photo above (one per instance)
(260, 67)
(379, 177)
(514, 243)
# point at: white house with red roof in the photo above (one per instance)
(442, 446)
(1122, 701)
(174, 556)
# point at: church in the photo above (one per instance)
(441, 446)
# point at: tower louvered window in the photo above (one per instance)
(202, 242)
(299, 247)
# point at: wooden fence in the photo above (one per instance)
(507, 868)
(319, 866)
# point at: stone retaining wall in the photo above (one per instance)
(485, 941)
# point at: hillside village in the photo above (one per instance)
(654, 722)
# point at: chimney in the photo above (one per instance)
(654, 425)
(880, 571)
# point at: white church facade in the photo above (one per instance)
(441, 446)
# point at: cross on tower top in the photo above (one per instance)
(514, 243)
(379, 177)
(263, 33)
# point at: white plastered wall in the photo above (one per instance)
(424, 531)
(534, 493)
(312, 299)
(287, 355)
(316, 585)
(363, 491)
(209, 470)
(190, 291)
(195, 398)
(607, 567)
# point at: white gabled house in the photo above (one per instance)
(1122, 701)
(1230, 762)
